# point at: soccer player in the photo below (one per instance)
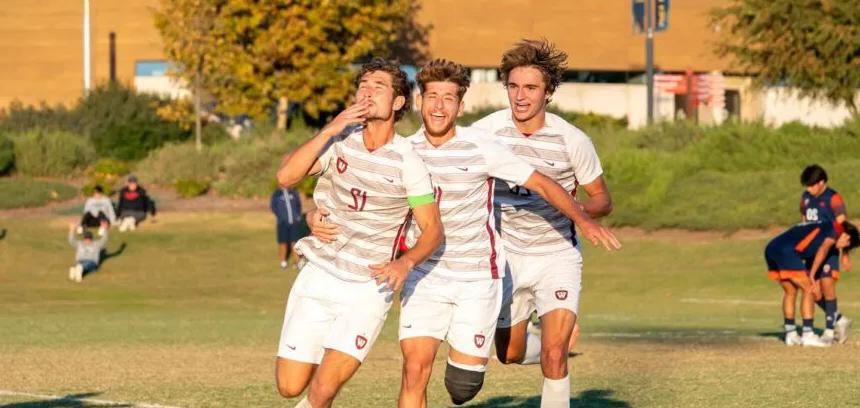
(370, 180)
(793, 259)
(456, 294)
(542, 252)
(821, 203)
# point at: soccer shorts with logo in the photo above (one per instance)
(325, 312)
(462, 312)
(830, 267)
(783, 262)
(540, 282)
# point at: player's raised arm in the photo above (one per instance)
(556, 196)
(305, 159)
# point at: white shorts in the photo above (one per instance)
(540, 282)
(325, 312)
(464, 313)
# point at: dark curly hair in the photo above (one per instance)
(442, 70)
(853, 234)
(399, 81)
(540, 54)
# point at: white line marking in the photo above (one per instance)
(72, 398)
(737, 302)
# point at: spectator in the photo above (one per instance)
(98, 212)
(87, 251)
(133, 205)
(287, 207)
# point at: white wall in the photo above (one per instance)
(618, 100)
(783, 105)
(161, 85)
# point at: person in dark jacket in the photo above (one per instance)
(133, 205)
(287, 207)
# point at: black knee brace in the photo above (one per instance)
(462, 384)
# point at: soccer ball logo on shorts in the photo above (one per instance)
(826, 268)
(479, 340)
(561, 294)
(360, 342)
(341, 165)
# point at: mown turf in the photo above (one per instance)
(189, 314)
(18, 192)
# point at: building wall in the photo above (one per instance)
(781, 105)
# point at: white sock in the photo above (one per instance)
(468, 367)
(532, 355)
(304, 403)
(556, 393)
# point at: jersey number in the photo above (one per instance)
(812, 214)
(359, 198)
(521, 191)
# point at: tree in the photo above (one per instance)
(813, 45)
(259, 52)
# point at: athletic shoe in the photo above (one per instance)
(284, 264)
(812, 340)
(842, 325)
(72, 272)
(792, 338)
(79, 273)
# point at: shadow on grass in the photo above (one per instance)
(2, 233)
(776, 335)
(67, 401)
(105, 255)
(586, 399)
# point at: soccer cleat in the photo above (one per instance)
(792, 338)
(810, 339)
(72, 272)
(79, 273)
(842, 326)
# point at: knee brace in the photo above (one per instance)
(462, 384)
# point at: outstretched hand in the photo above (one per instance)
(393, 274)
(599, 235)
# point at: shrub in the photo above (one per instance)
(189, 188)
(54, 153)
(179, 161)
(17, 118)
(7, 154)
(16, 192)
(125, 125)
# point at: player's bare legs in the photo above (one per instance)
(573, 337)
(333, 372)
(511, 343)
(789, 298)
(418, 356)
(807, 302)
(556, 327)
(292, 376)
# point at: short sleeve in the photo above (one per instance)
(583, 158)
(503, 164)
(326, 156)
(416, 180)
(837, 205)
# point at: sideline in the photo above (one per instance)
(73, 398)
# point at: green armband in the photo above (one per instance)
(415, 201)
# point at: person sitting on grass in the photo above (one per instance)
(133, 205)
(98, 212)
(87, 251)
(793, 259)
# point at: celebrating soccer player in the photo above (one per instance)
(370, 180)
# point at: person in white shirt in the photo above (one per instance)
(98, 209)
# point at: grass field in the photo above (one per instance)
(187, 312)
(18, 192)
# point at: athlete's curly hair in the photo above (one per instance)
(540, 54)
(442, 70)
(853, 234)
(399, 81)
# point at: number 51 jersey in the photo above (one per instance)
(369, 195)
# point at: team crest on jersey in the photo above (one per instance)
(561, 294)
(360, 342)
(821, 204)
(341, 165)
(805, 201)
(479, 340)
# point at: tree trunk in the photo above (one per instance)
(198, 126)
(283, 108)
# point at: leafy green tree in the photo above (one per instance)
(253, 54)
(813, 45)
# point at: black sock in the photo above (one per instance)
(829, 313)
(820, 303)
(807, 325)
(789, 325)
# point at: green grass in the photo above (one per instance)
(189, 314)
(18, 192)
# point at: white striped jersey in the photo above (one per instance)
(369, 195)
(528, 224)
(463, 171)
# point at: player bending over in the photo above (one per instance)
(821, 203)
(370, 180)
(793, 259)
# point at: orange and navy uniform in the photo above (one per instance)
(791, 253)
(825, 207)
